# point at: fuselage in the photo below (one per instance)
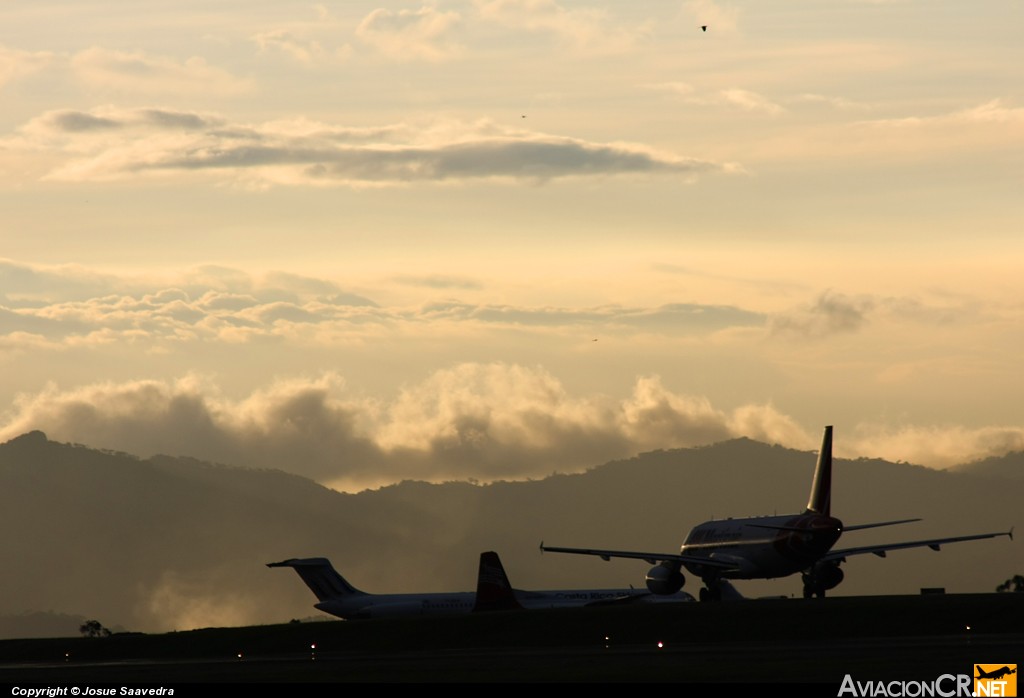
(361, 606)
(385, 605)
(762, 547)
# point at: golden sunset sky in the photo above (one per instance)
(497, 239)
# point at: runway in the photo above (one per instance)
(812, 644)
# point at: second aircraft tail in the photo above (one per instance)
(493, 590)
(320, 576)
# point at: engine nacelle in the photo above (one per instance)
(824, 576)
(665, 578)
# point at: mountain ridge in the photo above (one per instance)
(170, 543)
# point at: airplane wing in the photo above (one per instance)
(859, 527)
(650, 558)
(855, 527)
(934, 544)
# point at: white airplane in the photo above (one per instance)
(768, 547)
(494, 593)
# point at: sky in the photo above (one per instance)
(489, 240)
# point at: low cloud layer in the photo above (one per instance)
(472, 422)
(480, 422)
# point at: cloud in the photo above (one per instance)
(937, 446)
(482, 422)
(732, 98)
(111, 143)
(991, 112)
(406, 35)
(840, 103)
(676, 318)
(142, 73)
(749, 101)
(16, 64)
(305, 51)
(27, 286)
(475, 422)
(214, 305)
(582, 28)
(478, 414)
(832, 313)
(68, 305)
(296, 39)
(440, 281)
(429, 33)
(992, 126)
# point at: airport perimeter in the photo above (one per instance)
(813, 643)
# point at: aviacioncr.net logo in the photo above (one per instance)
(995, 680)
(945, 686)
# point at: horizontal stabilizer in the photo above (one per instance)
(320, 576)
(774, 527)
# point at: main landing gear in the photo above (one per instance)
(711, 591)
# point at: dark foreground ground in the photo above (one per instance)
(813, 643)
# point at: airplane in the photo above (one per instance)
(336, 596)
(768, 547)
(995, 674)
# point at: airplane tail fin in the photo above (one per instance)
(820, 501)
(493, 590)
(320, 576)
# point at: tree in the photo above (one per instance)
(93, 628)
(1016, 583)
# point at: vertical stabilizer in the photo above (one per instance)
(820, 501)
(320, 576)
(493, 591)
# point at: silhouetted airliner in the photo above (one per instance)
(768, 547)
(339, 598)
(995, 673)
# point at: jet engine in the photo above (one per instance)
(665, 578)
(821, 577)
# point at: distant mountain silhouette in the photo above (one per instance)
(1009, 466)
(174, 543)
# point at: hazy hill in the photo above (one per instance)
(1009, 466)
(172, 543)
